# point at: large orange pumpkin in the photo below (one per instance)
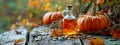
(52, 16)
(89, 23)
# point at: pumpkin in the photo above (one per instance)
(96, 41)
(88, 23)
(52, 16)
(94, 22)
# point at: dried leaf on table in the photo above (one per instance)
(24, 22)
(116, 34)
(56, 33)
(13, 26)
(18, 41)
(96, 41)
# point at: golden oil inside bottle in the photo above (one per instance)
(69, 27)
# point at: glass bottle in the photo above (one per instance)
(69, 24)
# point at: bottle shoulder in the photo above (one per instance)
(69, 17)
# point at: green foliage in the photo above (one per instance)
(5, 22)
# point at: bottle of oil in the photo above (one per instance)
(69, 24)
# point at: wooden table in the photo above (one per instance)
(7, 38)
(48, 41)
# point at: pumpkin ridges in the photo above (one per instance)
(100, 23)
(46, 18)
(59, 15)
(83, 25)
(94, 25)
(103, 23)
(107, 24)
(97, 23)
(80, 23)
(88, 23)
(56, 16)
(84, 22)
(53, 17)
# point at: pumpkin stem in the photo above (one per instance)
(94, 8)
(87, 8)
(56, 7)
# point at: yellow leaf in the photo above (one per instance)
(59, 8)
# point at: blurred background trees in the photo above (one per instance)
(12, 11)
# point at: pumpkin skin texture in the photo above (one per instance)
(88, 23)
(47, 18)
(56, 16)
(52, 16)
(96, 41)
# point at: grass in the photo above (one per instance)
(2, 30)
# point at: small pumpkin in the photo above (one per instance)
(52, 16)
(93, 23)
(96, 41)
(88, 23)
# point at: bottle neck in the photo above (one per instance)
(69, 15)
(69, 11)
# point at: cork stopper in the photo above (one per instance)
(69, 6)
